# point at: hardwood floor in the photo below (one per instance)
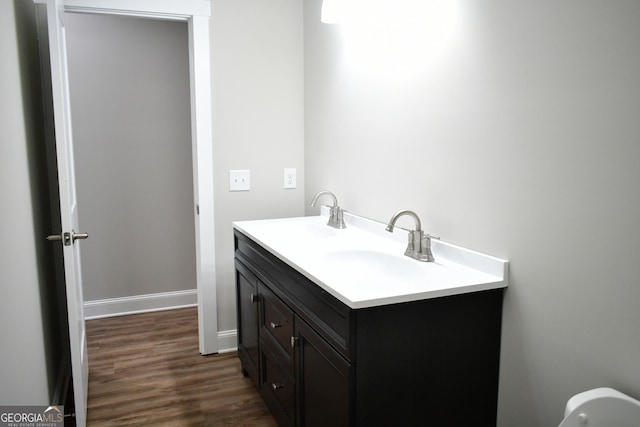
(145, 369)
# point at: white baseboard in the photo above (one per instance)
(227, 341)
(139, 304)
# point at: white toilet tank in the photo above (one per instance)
(601, 407)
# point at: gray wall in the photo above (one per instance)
(257, 92)
(129, 82)
(521, 138)
(32, 342)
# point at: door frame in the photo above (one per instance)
(197, 15)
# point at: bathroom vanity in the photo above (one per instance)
(336, 329)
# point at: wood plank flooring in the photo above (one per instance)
(145, 369)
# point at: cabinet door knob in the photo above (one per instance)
(275, 325)
(276, 386)
(293, 341)
(254, 298)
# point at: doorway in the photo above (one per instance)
(129, 87)
(196, 14)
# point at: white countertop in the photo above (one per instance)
(363, 265)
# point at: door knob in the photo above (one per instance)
(68, 238)
(79, 236)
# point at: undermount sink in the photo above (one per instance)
(375, 263)
(374, 272)
(301, 230)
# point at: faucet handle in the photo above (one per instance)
(336, 218)
(424, 251)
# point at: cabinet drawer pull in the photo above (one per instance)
(275, 325)
(276, 386)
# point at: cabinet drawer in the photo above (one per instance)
(278, 387)
(276, 324)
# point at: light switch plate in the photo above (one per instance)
(239, 180)
(290, 178)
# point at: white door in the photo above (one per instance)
(70, 235)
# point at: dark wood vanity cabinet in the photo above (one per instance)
(247, 309)
(317, 362)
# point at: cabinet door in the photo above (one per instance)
(324, 380)
(247, 306)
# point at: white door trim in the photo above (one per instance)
(197, 14)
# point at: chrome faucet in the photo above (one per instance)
(419, 246)
(336, 219)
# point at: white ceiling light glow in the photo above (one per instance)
(332, 11)
(394, 34)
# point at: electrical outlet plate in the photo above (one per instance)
(239, 180)
(289, 178)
